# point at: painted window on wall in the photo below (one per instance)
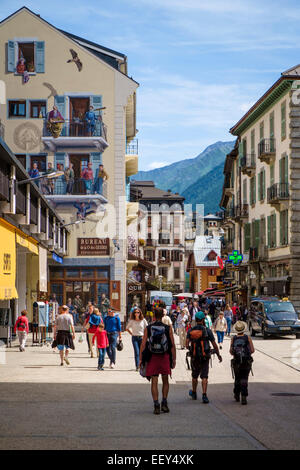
(38, 109)
(17, 108)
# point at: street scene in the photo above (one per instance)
(149, 230)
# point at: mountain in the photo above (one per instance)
(198, 179)
(206, 190)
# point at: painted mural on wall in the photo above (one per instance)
(27, 136)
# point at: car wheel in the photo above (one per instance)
(252, 332)
(265, 335)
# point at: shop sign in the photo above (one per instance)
(93, 247)
(57, 258)
(136, 288)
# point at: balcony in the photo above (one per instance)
(229, 191)
(248, 164)
(132, 212)
(75, 136)
(164, 261)
(241, 212)
(81, 189)
(266, 150)
(230, 213)
(132, 158)
(278, 193)
(260, 253)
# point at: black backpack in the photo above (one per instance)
(21, 323)
(241, 349)
(158, 335)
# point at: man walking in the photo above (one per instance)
(198, 339)
(112, 325)
(159, 340)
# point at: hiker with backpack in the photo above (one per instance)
(241, 349)
(22, 327)
(198, 342)
(158, 353)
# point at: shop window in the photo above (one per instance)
(38, 109)
(102, 288)
(17, 108)
(56, 274)
(102, 273)
(73, 273)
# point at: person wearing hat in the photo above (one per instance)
(199, 338)
(241, 348)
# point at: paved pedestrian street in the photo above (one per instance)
(46, 406)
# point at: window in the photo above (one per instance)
(253, 142)
(26, 55)
(17, 108)
(284, 240)
(261, 185)
(244, 191)
(261, 131)
(176, 273)
(22, 159)
(163, 272)
(38, 109)
(253, 190)
(272, 231)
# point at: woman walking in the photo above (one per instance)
(94, 321)
(136, 328)
(64, 334)
(228, 317)
(182, 320)
(23, 329)
(220, 328)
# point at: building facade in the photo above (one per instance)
(261, 193)
(71, 107)
(161, 233)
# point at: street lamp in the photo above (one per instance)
(74, 223)
(52, 175)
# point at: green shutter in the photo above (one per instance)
(259, 187)
(274, 244)
(246, 237)
(283, 120)
(272, 174)
(272, 125)
(286, 227)
(257, 233)
(281, 227)
(254, 189)
(252, 142)
(286, 169)
(269, 231)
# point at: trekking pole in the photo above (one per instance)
(232, 371)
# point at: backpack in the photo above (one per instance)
(200, 347)
(158, 338)
(21, 323)
(240, 347)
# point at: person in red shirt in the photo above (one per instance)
(22, 327)
(102, 344)
(88, 176)
(236, 312)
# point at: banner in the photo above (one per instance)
(7, 264)
(43, 270)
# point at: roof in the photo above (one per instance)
(149, 191)
(141, 261)
(212, 217)
(202, 247)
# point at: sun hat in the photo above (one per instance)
(199, 316)
(240, 327)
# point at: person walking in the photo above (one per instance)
(78, 306)
(220, 327)
(136, 328)
(72, 310)
(112, 325)
(228, 315)
(198, 341)
(241, 348)
(182, 320)
(22, 327)
(64, 334)
(85, 324)
(208, 322)
(94, 321)
(159, 341)
(193, 310)
(235, 312)
(102, 343)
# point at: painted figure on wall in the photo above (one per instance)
(88, 177)
(83, 210)
(91, 118)
(100, 177)
(55, 122)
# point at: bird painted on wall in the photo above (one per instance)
(51, 88)
(75, 59)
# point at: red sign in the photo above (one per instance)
(220, 262)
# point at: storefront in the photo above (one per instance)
(87, 282)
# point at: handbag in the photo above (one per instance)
(54, 344)
(120, 345)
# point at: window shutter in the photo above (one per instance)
(259, 186)
(274, 230)
(281, 227)
(60, 102)
(245, 191)
(254, 189)
(257, 233)
(283, 120)
(246, 237)
(240, 151)
(11, 56)
(286, 169)
(39, 59)
(269, 231)
(272, 174)
(271, 125)
(96, 101)
(286, 227)
(264, 184)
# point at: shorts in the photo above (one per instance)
(200, 368)
(61, 347)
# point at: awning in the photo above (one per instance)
(7, 263)
(27, 242)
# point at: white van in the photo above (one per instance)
(164, 296)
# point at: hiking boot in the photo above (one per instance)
(237, 396)
(244, 400)
(156, 409)
(164, 407)
(193, 395)
(204, 398)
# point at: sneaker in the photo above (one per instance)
(20, 349)
(61, 363)
(164, 407)
(205, 399)
(193, 395)
(156, 409)
(237, 396)
(220, 346)
(111, 365)
(244, 400)
(137, 369)
(66, 361)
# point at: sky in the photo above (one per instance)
(200, 64)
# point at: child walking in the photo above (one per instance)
(102, 344)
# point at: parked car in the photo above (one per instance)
(271, 316)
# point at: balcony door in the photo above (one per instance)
(78, 108)
(80, 162)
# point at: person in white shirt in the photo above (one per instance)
(136, 327)
(182, 319)
(220, 327)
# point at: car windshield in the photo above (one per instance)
(272, 307)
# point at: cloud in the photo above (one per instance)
(154, 165)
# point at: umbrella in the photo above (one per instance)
(185, 295)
